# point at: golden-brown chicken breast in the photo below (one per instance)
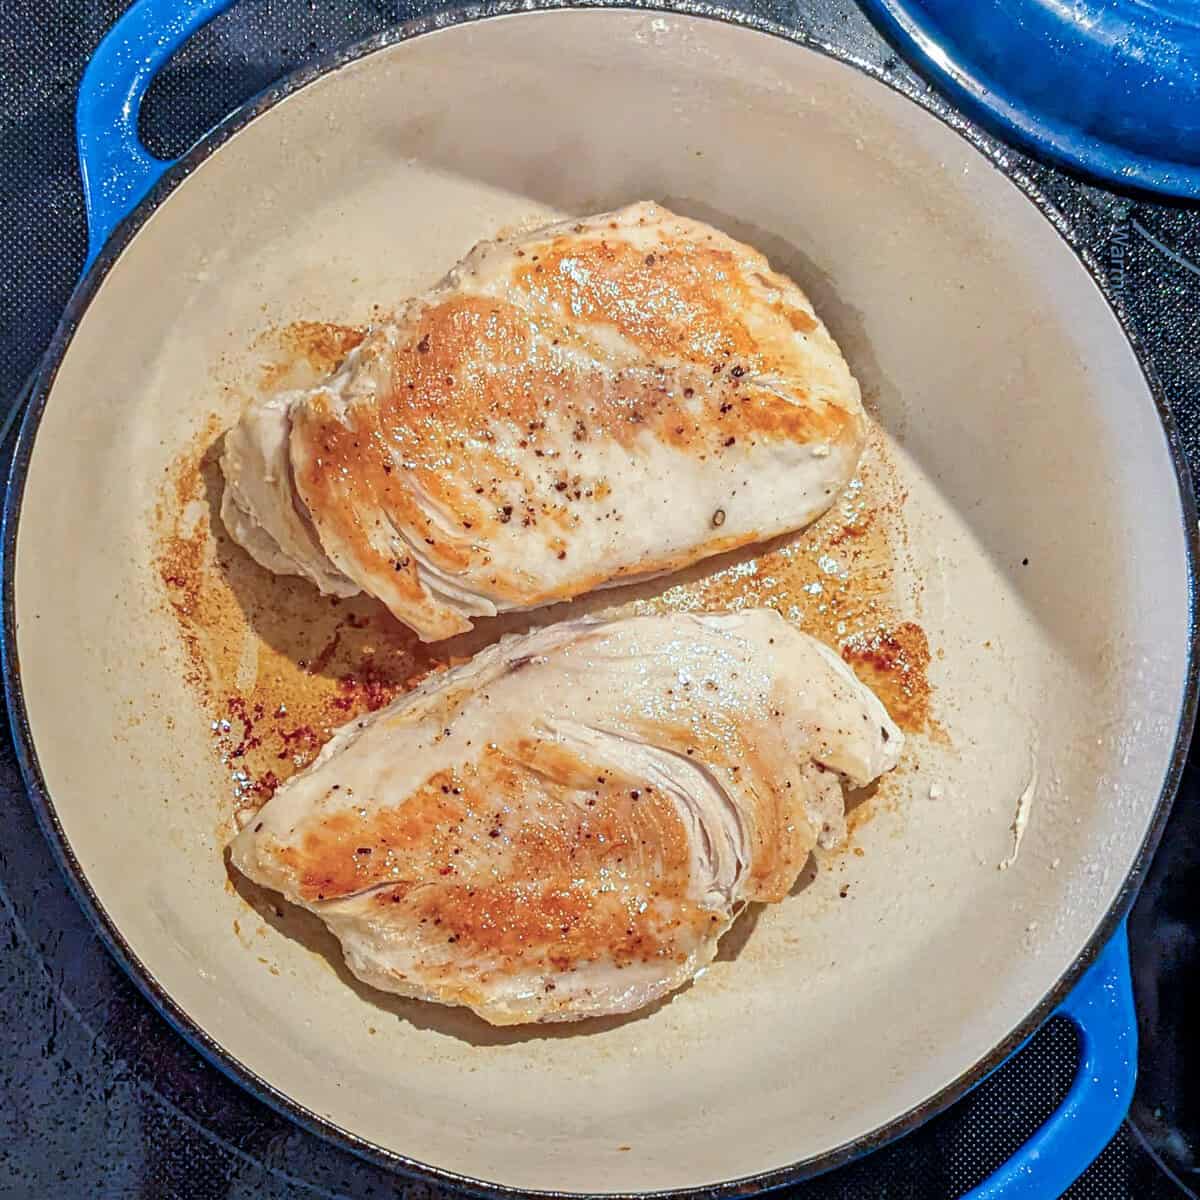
(600, 400)
(564, 826)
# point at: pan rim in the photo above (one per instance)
(1000, 158)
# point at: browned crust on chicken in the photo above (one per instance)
(520, 420)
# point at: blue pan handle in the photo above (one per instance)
(117, 169)
(1101, 1008)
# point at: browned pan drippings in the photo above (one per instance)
(277, 667)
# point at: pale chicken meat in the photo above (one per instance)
(564, 826)
(591, 403)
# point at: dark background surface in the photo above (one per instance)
(98, 1097)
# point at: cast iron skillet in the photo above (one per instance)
(124, 186)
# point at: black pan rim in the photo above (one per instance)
(1002, 159)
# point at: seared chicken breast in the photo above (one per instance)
(564, 826)
(597, 401)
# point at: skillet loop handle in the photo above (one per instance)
(117, 169)
(1101, 1009)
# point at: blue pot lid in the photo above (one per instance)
(1111, 87)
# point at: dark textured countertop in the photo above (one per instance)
(98, 1097)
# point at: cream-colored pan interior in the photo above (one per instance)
(1021, 426)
